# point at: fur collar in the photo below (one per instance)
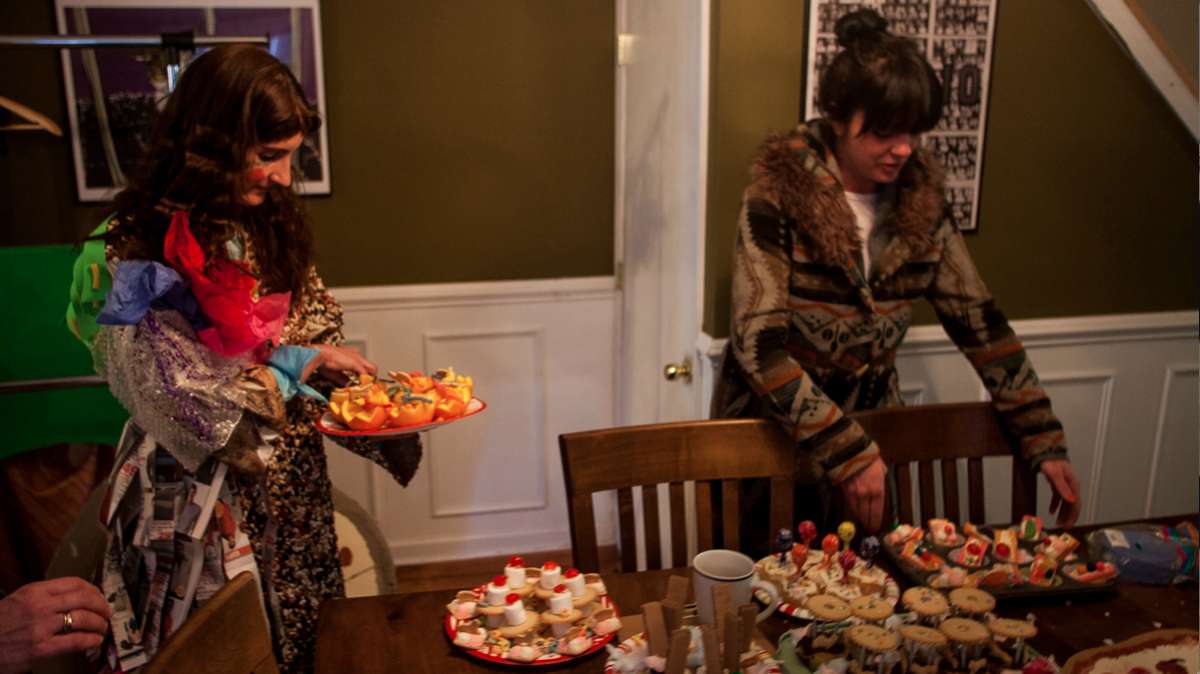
(798, 172)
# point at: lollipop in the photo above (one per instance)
(846, 532)
(783, 543)
(807, 531)
(799, 554)
(868, 549)
(847, 560)
(829, 545)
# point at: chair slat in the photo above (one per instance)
(583, 533)
(730, 514)
(650, 517)
(904, 504)
(782, 503)
(628, 532)
(926, 488)
(1024, 489)
(950, 490)
(704, 516)
(975, 489)
(678, 526)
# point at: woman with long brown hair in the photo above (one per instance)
(215, 336)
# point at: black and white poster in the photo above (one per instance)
(956, 37)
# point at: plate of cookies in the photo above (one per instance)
(530, 616)
(800, 573)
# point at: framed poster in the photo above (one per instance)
(113, 93)
(956, 37)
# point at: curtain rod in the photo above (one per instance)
(185, 40)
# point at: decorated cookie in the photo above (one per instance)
(871, 608)
(828, 608)
(925, 602)
(971, 601)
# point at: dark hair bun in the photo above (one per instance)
(860, 26)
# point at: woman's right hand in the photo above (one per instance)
(863, 492)
(32, 622)
(333, 362)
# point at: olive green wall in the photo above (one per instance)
(1089, 198)
(471, 140)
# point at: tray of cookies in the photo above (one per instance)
(1016, 561)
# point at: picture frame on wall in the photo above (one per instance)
(113, 94)
(956, 37)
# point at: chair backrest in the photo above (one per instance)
(227, 635)
(945, 433)
(715, 455)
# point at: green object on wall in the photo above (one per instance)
(36, 344)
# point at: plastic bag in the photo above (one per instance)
(1148, 553)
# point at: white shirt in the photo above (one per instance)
(866, 209)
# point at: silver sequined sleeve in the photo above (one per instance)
(175, 388)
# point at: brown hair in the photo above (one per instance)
(882, 74)
(228, 101)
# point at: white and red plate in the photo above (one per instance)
(329, 426)
(451, 625)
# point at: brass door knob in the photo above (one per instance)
(683, 370)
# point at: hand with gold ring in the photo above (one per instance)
(49, 618)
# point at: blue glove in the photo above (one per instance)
(287, 363)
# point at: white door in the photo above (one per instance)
(661, 159)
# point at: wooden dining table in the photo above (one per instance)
(405, 633)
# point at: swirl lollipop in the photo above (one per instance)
(847, 559)
(846, 532)
(868, 549)
(807, 531)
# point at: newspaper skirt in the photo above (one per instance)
(174, 539)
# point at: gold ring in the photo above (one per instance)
(68, 624)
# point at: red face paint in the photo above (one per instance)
(258, 175)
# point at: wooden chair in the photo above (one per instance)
(227, 635)
(714, 454)
(944, 433)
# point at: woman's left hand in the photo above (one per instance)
(335, 361)
(1065, 501)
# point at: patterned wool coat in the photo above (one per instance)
(813, 337)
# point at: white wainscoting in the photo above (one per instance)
(543, 357)
(1126, 387)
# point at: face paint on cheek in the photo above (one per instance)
(258, 175)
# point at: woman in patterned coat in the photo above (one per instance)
(842, 228)
(214, 334)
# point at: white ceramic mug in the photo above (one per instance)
(727, 567)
